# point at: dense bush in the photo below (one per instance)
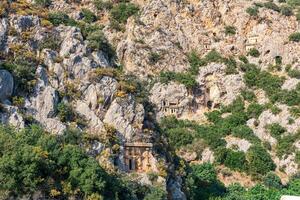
(285, 144)
(254, 110)
(43, 3)
(294, 73)
(185, 78)
(235, 160)
(293, 2)
(271, 180)
(254, 53)
(272, 6)
(57, 18)
(260, 161)
(23, 72)
(287, 11)
(202, 182)
(97, 41)
(230, 30)
(88, 16)
(103, 5)
(252, 11)
(245, 132)
(248, 95)
(178, 134)
(65, 112)
(295, 37)
(32, 160)
(195, 62)
(122, 11)
(276, 130)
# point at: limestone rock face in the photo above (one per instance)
(72, 40)
(290, 84)
(6, 85)
(94, 121)
(43, 105)
(241, 144)
(126, 116)
(267, 117)
(164, 95)
(218, 87)
(3, 33)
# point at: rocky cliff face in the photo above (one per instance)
(73, 79)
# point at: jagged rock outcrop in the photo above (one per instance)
(234, 142)
(126, 116)
(267, 117)
(174, 187)
(3, 33)
(43, 105)
(11, 116)
(23, 23)
(6, 85)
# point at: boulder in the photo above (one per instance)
(6, 85)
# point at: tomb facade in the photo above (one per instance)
(138, 157)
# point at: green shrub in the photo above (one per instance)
(185, 78)
(230, 30)
(57, 18)
(98, 41)
(195, 62)
(243, 59)
(245, 132)
(235, 160)
(286, 10)
(213, 56)
(285, 144)
(260, 161)
(52, 42)
(23, 72)
(231, 66)
(293, 2)
(248, 95)
(65, 112)
(254, 53)
(271, 180)
(43, 3)
(252, 11)
(202, 182)
(295, 37)
(298, 14)
(254, 110)
(272, 6)
(103, 5)
(88, 16)
(157, 193)
(294, 73)
(122, 11)
(276, 130)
